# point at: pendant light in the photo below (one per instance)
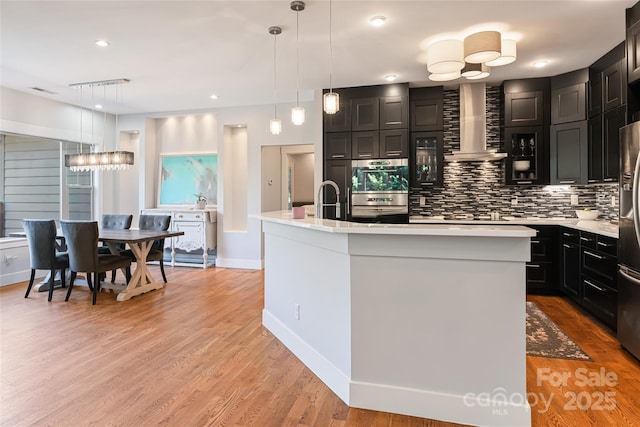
(275, 125)
(331, 100)
(297, 112)
(103, 160)
(484, 46)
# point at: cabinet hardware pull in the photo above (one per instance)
(606, 245)
(567, 182)
(535, 241)
(628, 277)
(365, 155)
(586, 239)
(393, 154)
(533, 265)
(566, 246)
(594, 255)
(609, 179)
(337, 156)
(569, 234)
(525, 182)
(594, 286)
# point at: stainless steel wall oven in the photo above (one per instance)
(379, 188)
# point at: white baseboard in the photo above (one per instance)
(16, 277)
(250, 264)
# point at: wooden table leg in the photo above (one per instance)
(141, 280)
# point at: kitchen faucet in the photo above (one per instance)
(320, 205)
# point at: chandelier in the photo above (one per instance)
(105, 160)
(472, 57)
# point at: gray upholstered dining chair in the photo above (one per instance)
(156, 223)
(41, 236)
(114, 222)
(82, 242)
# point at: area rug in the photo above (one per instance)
(546, 339)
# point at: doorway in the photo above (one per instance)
(287, 176)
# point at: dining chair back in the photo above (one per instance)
(156, 223)
(41, 237)
(114, 222)
(82, 242)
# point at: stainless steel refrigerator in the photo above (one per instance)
(629, 240)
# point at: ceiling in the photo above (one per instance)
(178, 53)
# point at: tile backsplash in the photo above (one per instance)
(478, 188)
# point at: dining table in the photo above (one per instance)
(140, 243)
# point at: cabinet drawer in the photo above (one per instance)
(600, 300)
(542, 249)
(539, 275)
(570, 235)
(607, 245)
(600, 267)
(195, 216)
(588, 240)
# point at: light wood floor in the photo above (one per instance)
(196, 354)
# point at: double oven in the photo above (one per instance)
(380, 190)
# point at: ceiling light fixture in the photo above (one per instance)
(102, 43)
(105, 160)
(275, 124)
(98, 106)
(390, 77)
(214, 96)
(297, 112)
(471, 58)
(540, 64)
(378, 21)
(331, 100)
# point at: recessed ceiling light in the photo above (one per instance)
(540, 64)
(98, 106)
(378, 21)
(390, 77)
(102, 43)
(214, 96)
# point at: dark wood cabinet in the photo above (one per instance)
(568, 104)
(524, 109)
(541, 270)
(569, 153)
(394, 112)
(613, 86)
(525, 147)
(365, 145)
(365, 114)
(426, 112)
(595, 152)
(633, 50)
(426, 159)
(612, 121)
(337, 145)
(570, 250)
(340, 121)
(338, 171)
(594, 98)
(394, 143)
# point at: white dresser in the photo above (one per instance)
(200, 235)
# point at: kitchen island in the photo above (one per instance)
(418, 319)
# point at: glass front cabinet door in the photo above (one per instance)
(427, 159)
(525, 148)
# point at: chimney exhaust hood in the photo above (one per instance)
(473, 123)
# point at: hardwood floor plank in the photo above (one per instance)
(196, 354)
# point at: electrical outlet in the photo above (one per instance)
(514, 201)
(423, 201)
(296, 308)
(574, 200)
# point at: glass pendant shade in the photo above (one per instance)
(445, 56)
(331, 102)
(113, 160)
(443, 77)
(275, 126)
(482, 47)
(297, 116)
(508, 54)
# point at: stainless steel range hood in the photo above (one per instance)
(473, 126)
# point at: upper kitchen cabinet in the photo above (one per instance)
(365, 114)
(337, 145)
(524, 109)
(568, 97)
(594, 98)
(525, 149)
(394, 143)
(394, 112)
(341, 120)
(607, 82)
(426, 112)
(365, 145)
(614, 86)
(569, 153)
(613, 120)
(633, 43)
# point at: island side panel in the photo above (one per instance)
(427, 330)
(310, 268)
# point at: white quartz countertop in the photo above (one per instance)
(423, 229)
(602, 227)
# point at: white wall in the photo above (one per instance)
(197, 131)
(303, 177)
